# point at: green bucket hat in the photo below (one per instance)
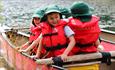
(52, 8)
(80, 9)
(38, 13)
(65, 12)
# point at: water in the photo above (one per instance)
(19, 12)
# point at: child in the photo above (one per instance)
(57, 37)
(86, 28)
(35, 31)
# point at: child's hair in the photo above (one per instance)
(33, 22)
(84, 18)
(43, 19)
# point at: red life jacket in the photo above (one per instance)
(35, 32)
(85, 32)
(54, 37)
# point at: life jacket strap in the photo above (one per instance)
(50, 34)
(84, 45)
(52, 48)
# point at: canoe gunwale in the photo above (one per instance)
(89, 62)
(24, 34)
(108, 31)
(79, 57)
(107, 41)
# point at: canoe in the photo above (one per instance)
(108, 35)
(11, 39)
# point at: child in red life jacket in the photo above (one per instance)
(86, 28)
(35, 31)
(57, 37)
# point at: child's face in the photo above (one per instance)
(36, 20)
(53, 18)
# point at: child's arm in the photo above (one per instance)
(32, 45)
(70, 34)
(23, 46)
(70, 46)
(97, 43)
(99, 46)
(26, 44)
(39, 49)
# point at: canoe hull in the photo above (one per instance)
(16, 60)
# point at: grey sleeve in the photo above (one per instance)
(68, 31)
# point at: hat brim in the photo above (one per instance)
(36, 15)
(50, 11)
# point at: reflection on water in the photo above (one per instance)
(19, 12)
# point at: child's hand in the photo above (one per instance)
(100, 48)
(23, 51)
(64, 57)
(17, 48)
(34, 57)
